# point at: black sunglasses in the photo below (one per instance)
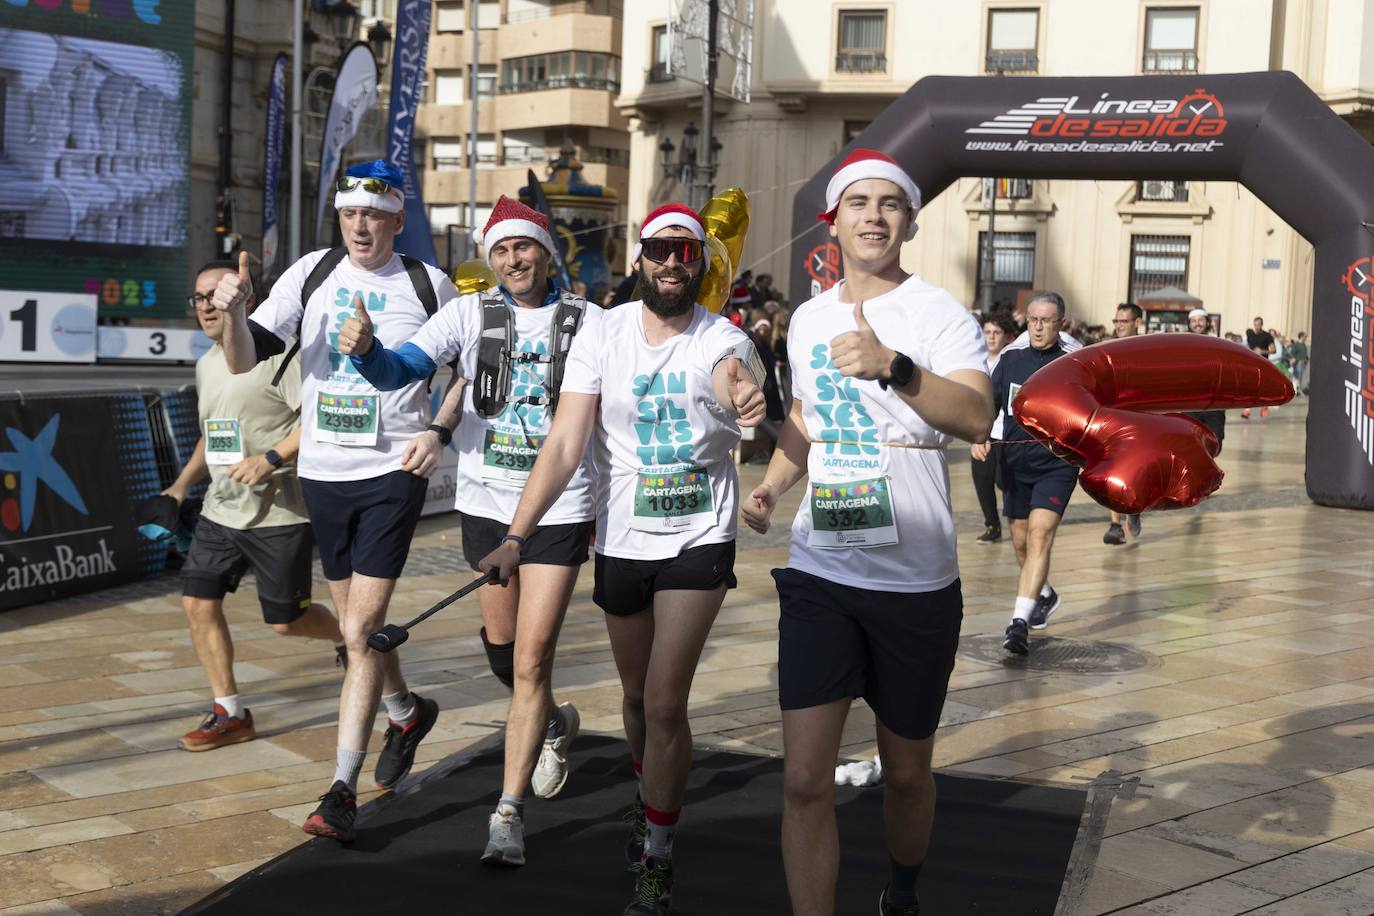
(660, 249)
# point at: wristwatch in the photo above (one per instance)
(900, 373)
(443, 432)
(273, 458)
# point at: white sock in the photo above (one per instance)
(348, 764)
(1045, 589)
(233, 706)
(400, 706)
(659, 841)
(1023, 608)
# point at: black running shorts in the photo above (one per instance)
(894, 649)
(279, 557)
(1039, 490)
(551, 545)
(365, 526)
(625, 587)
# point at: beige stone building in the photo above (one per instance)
(823, 69)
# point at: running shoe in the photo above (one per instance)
(335, 816)
(653, 888)
(400, 742)
(551, 772)
(505, 838)
(1245, 413)
(1133, 525)
(888, 908)
(1018, 638)
(341, 658)
(1045, 605)
(219, 729)
(991, 534)
(639, 832)
(1115, 534)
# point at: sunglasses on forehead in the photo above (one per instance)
(660, 249)
(370, 185)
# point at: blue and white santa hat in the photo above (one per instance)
(392, 201)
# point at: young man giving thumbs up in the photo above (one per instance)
(886, 370)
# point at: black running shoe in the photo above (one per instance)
(400, 743)
(888, 908)
(1115, 535)
(335, 816)
(341, 657)
(639, 829)
(1017, 641)
(653, 889)
(1133, 525)
(1045, 605)
(991, 534)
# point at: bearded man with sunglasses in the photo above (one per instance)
(363, 458)
(663, 387)
(512, 344)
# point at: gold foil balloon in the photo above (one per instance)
(726, 219)
(474, 276)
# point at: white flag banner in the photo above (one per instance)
(355, 91)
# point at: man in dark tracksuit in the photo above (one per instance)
(1199, 322)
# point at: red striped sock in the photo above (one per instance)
(662, 825)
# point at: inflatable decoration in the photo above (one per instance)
(726, 218)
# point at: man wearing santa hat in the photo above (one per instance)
(663, 387)
(512, 344)
(363, 455)
(886, 371)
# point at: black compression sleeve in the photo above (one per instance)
(265, 343)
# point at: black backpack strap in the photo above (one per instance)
(567, 320)
(424, 288)
(323, 268)
(491, 386)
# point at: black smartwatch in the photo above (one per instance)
(273, 458)
(900, 373)
(443, 432)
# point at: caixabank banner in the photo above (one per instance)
(95, 150)
(72, 469)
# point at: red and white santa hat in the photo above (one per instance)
(512, 219)
(870, 163)
(670, 215)
(740, 295)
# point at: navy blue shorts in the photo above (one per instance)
(364, 526)
(1044, 490)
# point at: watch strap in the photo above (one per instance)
(273, 457)
(443, 432)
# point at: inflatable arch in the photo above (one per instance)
(1268, 131)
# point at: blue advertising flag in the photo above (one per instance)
(407, 82)
(276, 123)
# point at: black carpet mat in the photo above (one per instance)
(999, 847)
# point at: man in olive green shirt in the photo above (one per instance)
(253, 518)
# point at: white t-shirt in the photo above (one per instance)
(495, 455)
(330, 386)
(864, 486)
(666, 481)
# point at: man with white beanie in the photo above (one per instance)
(1200, 322)
(886, 371)
(363, 456)
(511, 344)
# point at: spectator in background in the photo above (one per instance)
(579, 289)
(1199, 322)
(1262, 342)
(737, 309)
(760, 331)
(998, 330)
(763, 288)
(608, 300)
(1128, 322)
(625, 292)
(1298, 356)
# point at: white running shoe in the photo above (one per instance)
(505, 838)
(552, 770)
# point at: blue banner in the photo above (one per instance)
(407, 81)
(276, 129)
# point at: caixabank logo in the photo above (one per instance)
(1359, 354)
(1077, 124)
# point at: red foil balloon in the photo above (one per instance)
(1105, 409)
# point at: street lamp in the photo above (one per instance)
(697, 176)
(379, 39)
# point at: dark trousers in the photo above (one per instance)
(987, 480)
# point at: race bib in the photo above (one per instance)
(223, 442)
(1011, 395)
(673, 501)
(856, 513)
(509, 457)
(346, 419)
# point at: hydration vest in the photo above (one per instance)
(491, 386)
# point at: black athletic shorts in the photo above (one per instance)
(552, 545)
(1040, 490)
(894, 649)
(365, 526)
(279, 556)
(625, 587)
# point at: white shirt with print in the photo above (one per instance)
(397, 314)
(861, 434)
(484, 489)
(659, 421)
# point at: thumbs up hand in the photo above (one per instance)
(859, 353)
(355, 337)
(744, 394)
(235, 290)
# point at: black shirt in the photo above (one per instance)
(1259, 341)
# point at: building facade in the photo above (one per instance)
(823, 69)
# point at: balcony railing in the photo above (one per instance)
(1013, 62)
(658, 73)
(1170, 62)
(561, 82)
(860, 61)
(1169, 191)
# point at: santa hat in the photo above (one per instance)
(666, 216)
(870, 163)
(740, 295)
(512, 219)
(383, 171)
